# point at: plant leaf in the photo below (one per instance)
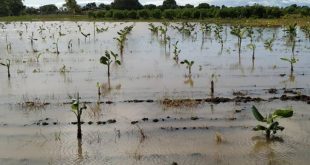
(118, 62)
(285, 113)
(259, 128)
(104, 60)
(257, 115)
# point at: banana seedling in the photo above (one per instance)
(218, 35)
(272, 125)
(85, 35)
(292, 61)
(154, 29)
(107, 60)
(7, 65)
(269, 43)
(189, 65)
(291, 33)
(56, 46)
(239, 32)
(77, 109)
(176, 52)
(102, 29)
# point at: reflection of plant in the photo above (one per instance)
(77, 110)
(176, 51)
(7, 65)
(189, 65)
(107, 60)
(292, 61)
(272, 125)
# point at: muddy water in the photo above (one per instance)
(148, 71)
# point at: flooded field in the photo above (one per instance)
(151, 110)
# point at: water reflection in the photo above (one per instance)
(264, 151)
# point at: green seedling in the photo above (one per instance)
(218, 35)
(272, 125)
(108, 60)
(292, 61)
(154, 29)
(77, 109)
(189, 65)
(85, 35)
(291, 33)
(239, 32)
(7, 65)
(102, 29)
(176, 52)
(122, 37)
(56, 46)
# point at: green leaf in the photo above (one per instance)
(259, 128)
(285, 59)
(257, 115)
(75, 106)
(285, 113)
(118, 62)
(104, 60)
(273, 126)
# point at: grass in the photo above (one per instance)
(301, 21)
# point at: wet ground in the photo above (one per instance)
(132, 125)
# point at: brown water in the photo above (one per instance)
(147, 72)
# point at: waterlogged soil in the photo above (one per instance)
(154, 113)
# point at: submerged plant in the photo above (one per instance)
(291, 33)
(189, 65)
(154, 29)
(176, 51)
(272, 125)
(239, 32)
(269, 43)
(107, 60)
(85, 35)
(292, 61)
(77, 109)
(7, 65)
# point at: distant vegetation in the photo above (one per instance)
(132, 9)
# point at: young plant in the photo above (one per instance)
(108, 60)
(291, 33)
(292, 61)
(85, 35)
(77, 110)
(218, 35)
(153, 29)
(272, 125)
(176, 52)
(189, 65)
(239, 33)
(56, 46)
(7, 65)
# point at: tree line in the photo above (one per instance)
(133, 9)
